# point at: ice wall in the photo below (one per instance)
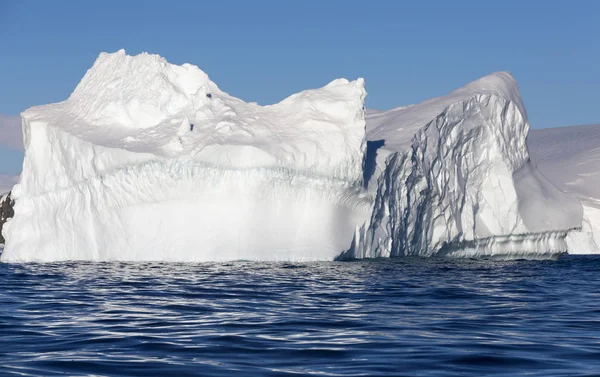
(151, 161)
(454, 177)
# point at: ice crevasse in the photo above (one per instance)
(152, 161)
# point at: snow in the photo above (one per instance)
(454, 177)
(142, 108)
(117, 172)
(570, 158)
(151, 161)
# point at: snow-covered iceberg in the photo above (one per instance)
(151, 161)
(453, 176)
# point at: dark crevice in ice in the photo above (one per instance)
(371, 160)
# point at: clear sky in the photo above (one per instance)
(263, 51)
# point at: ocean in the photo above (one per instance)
(385, 317)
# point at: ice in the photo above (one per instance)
(131, 109)
(454, 177)
(151, 161)
(570, 158)
(117, 172)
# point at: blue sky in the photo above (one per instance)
(264, 51)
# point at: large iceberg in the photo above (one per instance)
(453, 176)
(151, 161)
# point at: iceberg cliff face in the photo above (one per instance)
(463, 183)
(151, 161)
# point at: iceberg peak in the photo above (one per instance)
(147, 160)
(143, 103)
(397, 125)
(138, 91)
(501, 83)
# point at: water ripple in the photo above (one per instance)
(399, 317)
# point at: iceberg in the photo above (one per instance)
(152, 161)
(570, 158)
(453, 176)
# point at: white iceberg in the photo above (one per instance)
(151, 161)
(570, 158)
(453, 177)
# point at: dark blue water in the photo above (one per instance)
(400, 317)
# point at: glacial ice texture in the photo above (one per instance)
(463, 183)
(152, 161)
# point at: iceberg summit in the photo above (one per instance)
(152, 161)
